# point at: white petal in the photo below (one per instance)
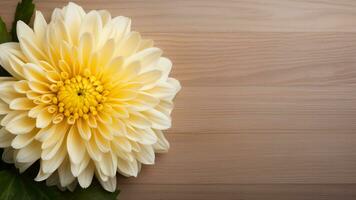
(122, 143)
(143, 136)
(86, 177)
(84, 129)
(11, 115)
(147, 58)
(49, 166)
(121, 26)
(159, 120)
(20, 124)
(12, 58)
(40, 26)
(109, 185)
(21, 86)
(93, 150)
(108, 164)
(8, 92)
(75, 146)
(22, 103)
(86, 45)
(128, 168)
(76, 169)
(162, 144)
(165, 66)
(4, 108)
(8, 155)
(91, 24)
(44, 119)
(73, 18)
(146, 155)
(29, 153)
(138, 120)
(23, 140)
(35, 111)
(52, 144)
(5, 138)
(55, 135)
(144, 101)
(41, 175)
(35, 73)
(29, 43)
(102, 143)
(104, 131)
(129, 44)
(149, 79)
(39, 87)
(65, 174)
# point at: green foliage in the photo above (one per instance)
(24, 12)
(14, 186)
(4, 35)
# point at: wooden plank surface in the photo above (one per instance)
(268, 105)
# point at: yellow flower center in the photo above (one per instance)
(79, 96)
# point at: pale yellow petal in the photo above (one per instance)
(20, 124)
(142, 136)
(20, 141)
(84, 129)
(129, 44)
(102, 143)
(51, 165)
(108, 164)
(8, 92)
(12, 58)
(35, 73)
(93, 149)
(21, 104)
(75, 146)
(44, 118)
(127, 168)
(86, 177)
(122, 143)
(109, 185)
(146, 155)
(29, 43)
(65, 175)
(40, 26)
(21, 86)
(138, 120)
(5, 138)
(76, 169)
(29, 153)
(159, 120)
(162, 144)
(147, 57)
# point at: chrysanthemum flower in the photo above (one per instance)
(88, 97)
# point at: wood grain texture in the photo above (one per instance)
(267, 110)
(240, 192)
(222, 16)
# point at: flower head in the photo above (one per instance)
(88, 97)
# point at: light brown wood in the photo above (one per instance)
(268, 105)
(239, 192)
(222, 16)
(254, 159)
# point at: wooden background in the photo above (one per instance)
(268, 106)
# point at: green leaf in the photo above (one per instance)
(94, 192)
(4, 35)
(24, 12)
(15, 186)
